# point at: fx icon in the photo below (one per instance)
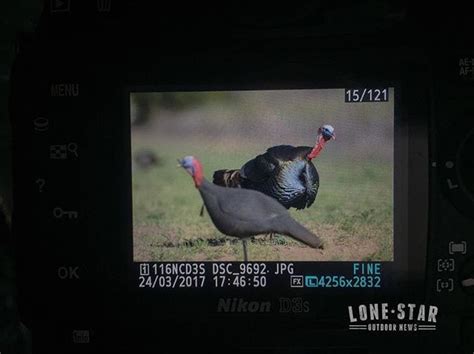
(296, 281)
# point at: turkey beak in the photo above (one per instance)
(326, 138)
(180, 164)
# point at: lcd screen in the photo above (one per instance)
(326, 155)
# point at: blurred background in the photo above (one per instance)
(353, 209)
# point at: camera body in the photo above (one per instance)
(78, 281)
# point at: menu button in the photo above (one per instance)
(65, 90)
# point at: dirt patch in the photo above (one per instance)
(338, 246)
(226, 258)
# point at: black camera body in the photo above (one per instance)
(80, 289)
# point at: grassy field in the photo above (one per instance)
(352, 212)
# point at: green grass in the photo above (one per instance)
(352, 212)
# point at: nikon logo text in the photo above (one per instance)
(242, 305)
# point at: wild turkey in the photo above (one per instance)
(244, 213)
(283, 172)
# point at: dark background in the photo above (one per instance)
(16, 18)
(423, 29)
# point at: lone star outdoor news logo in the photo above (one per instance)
(398, 318)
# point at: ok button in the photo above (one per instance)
(68, 273)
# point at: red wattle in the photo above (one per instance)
(198, 173)
(317, 148)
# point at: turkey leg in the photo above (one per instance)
(244, 243)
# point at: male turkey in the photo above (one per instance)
(244, 213)
(283, 172)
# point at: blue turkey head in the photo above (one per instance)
(327, 131)
(187, 163)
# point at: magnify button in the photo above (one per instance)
(72, 148)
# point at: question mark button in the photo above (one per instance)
(41, 183)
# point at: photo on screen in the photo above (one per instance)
(338, 185)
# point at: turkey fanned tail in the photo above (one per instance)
(227, 178)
